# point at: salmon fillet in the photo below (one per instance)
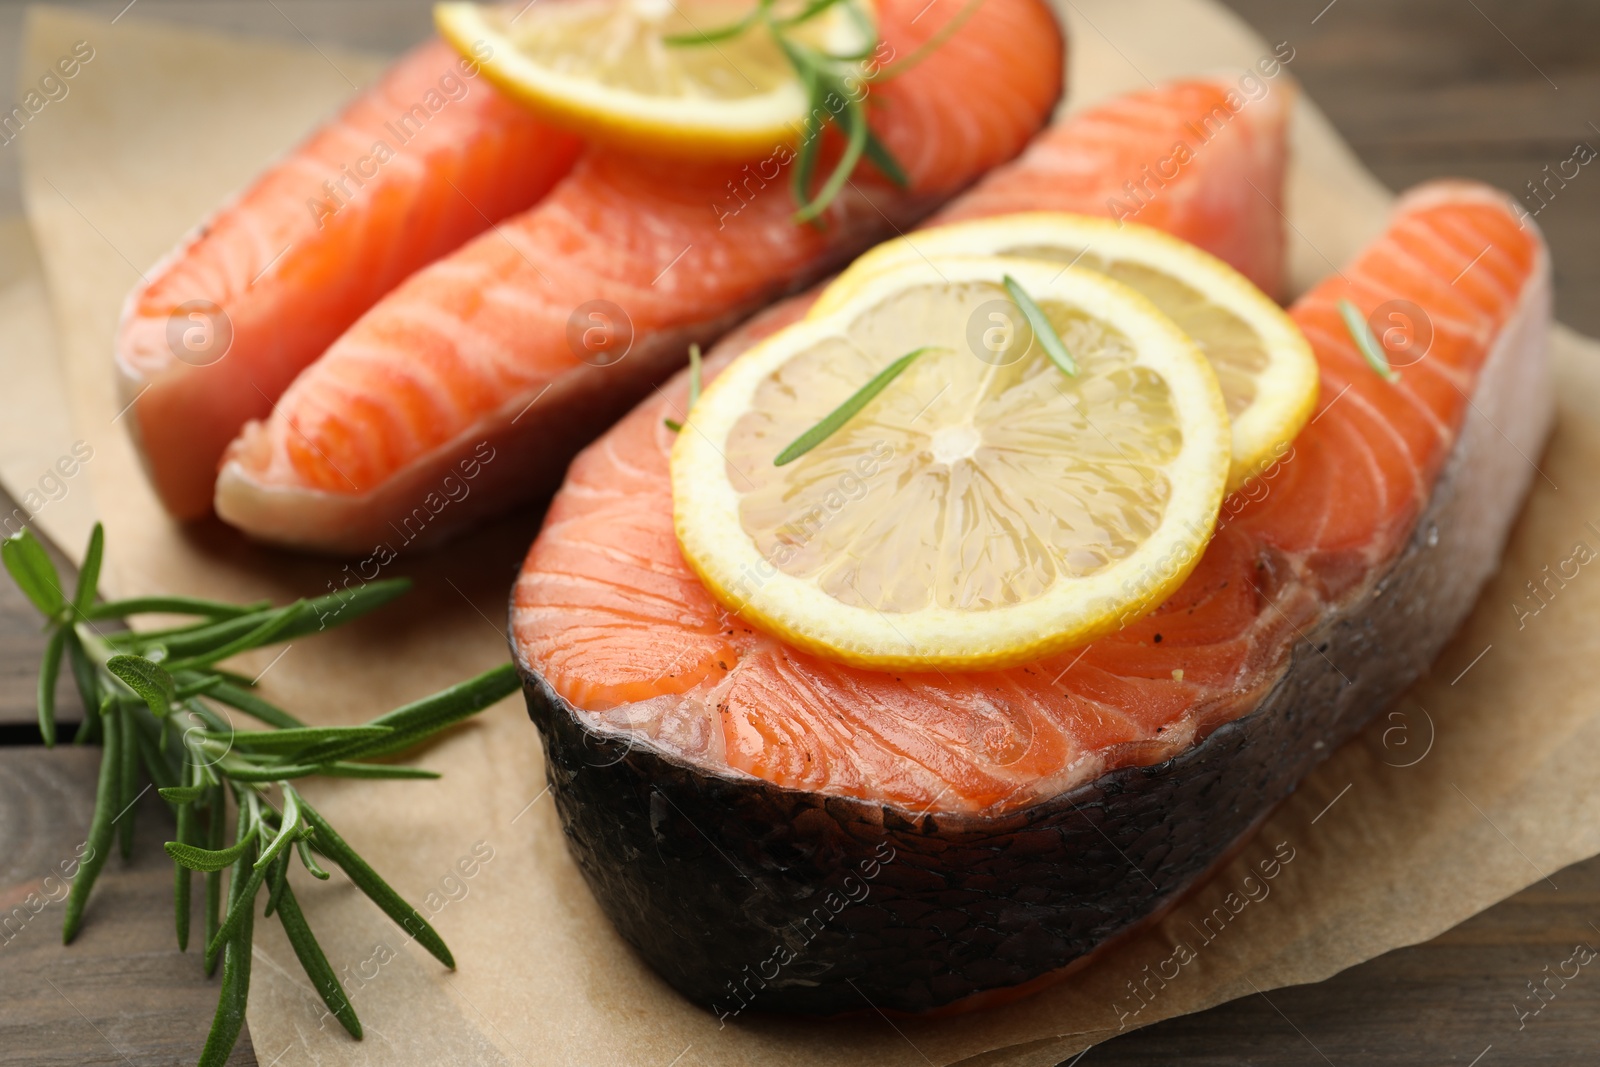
(480, 354)
(609, 613)
(428, 157)
(773, 830)
(1194, 158)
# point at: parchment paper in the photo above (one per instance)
(1480, 782)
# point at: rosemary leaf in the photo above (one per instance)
(289, 740)
(213, 721)
(1042, 328)
(328, 842)
(287, 772)
(241, 908)
(100, 826)
(1361, 334)
(884, 160)
(150, 680)
(236, 697)
(127, 780)
(196, 685)
(278, 880)
(172, 605)
(229, 1018)
(89, 573)
(695, 371)
(83, 676)
(931, 45)
(205, 859)
(323, 612)
(415, 722)
(342, 769)
(846, 411)
(721, 33)
(216, 831)
(309, 861)
(88, 731)
(853, 121)
(270, 630)
(183, 794)
(694, 388)
(806, 14)
(183, 877)
(157, 763)
(805, 163)
(314, 963)
(35, 575)
(48, 672)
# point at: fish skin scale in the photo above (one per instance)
(330, 272)
(1336, 509)
(648, 235)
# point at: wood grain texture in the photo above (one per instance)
(121, 993)
(1494, 90)
(1491, 89)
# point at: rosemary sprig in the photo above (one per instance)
(157, 702)
(1361, 334)
(1054, 347)
(694, 389)
(825, 77)
(848, 410)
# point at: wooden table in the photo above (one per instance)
(1492, 89)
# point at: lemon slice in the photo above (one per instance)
(606, 69)
(984, 509)
(1263, 363)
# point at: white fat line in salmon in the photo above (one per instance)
(1167, 969)
(451, 490)
(743, 192)
(1144, 190)
(403, 128)
(53, 88)
(1548, 583)
(852, 890)
(51, 486)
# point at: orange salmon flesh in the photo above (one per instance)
(427, 158)
(608, 612)
(489, 348)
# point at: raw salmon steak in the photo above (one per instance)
(428, 157)
(532, 339)
(1195, 158)
(775, 830)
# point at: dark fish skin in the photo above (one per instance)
(743, 894)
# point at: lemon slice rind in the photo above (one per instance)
(1285, 392)
(1074, 611)
(671, 125)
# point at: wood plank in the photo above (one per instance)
(121, 993)
(1420, 88)
(1446, 1001)
(1430, 88)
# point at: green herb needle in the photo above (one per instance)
(694, 388)
(848, 410)
(157, 702)
(1356, 324)
(1054, 347)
